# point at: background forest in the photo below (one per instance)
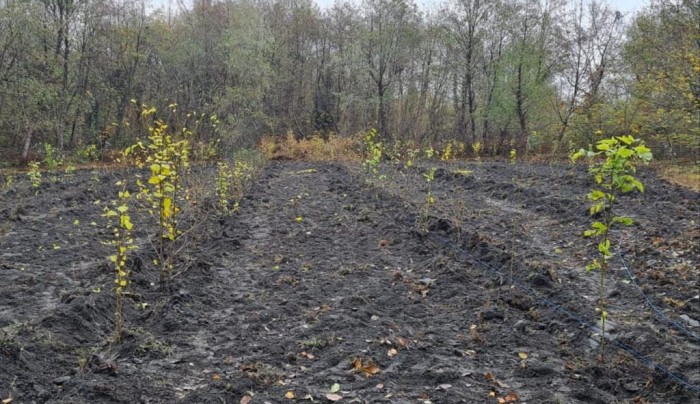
(543, 76)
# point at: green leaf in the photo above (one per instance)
(593, 266)
(599, 227)
(623, 220)
(596, 195)
(597, 208)
(628, 140)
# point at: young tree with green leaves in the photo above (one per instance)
(614, 165)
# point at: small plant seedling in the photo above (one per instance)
(9, 181)
(613, 176)
(52, 162)
(224, 180)
(430, 200)
(447, 153)
(412, 154)
(476, 148)
(513, 156)
(119, 222)
(374, 150)
(34, 174)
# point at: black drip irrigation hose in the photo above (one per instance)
(660, 314)
(679, 379)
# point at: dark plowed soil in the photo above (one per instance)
(326, 276)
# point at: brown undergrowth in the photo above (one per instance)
(316, 148)
(686, 175)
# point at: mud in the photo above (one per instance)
(328, 276)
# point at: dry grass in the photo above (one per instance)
(684, 174)
(316, 148)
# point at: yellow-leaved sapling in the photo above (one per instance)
(34, 174)
(614, 163)
(166, 154)
(430, 199)
(121, 227)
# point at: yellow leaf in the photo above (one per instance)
(299, 218)
(290, 395)
(522, 355)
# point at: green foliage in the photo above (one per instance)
(374, 150)
(119, 223)
(34, 174)
(230, 184)
(51, 159)
(447, 152)
(412, 155)
(613, 168)
(476, 149)
(89, 153)
(223, 183)
(513, 156)
(430, 200)
(9, 181)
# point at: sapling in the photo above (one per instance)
(513, 156)
(34, 174)
(412, 154)
(374, 150)
(52, 162)
(430, 200)
(476, 148)
(167, 160)
(612, 170)
(447, 153)
(119, 222)
(224, 179)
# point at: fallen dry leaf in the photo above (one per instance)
(290, 395)
(7, 400)
(216, 377)
(246, 399)
(368, 368)
(522, 355)
(402, 342)
(308, 355)
(511, 397)
(379, 386)
(392, 352)
(334, 397)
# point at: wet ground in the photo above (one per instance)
(332, 283)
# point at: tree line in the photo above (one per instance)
(538, 75)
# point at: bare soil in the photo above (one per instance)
(328, 275)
